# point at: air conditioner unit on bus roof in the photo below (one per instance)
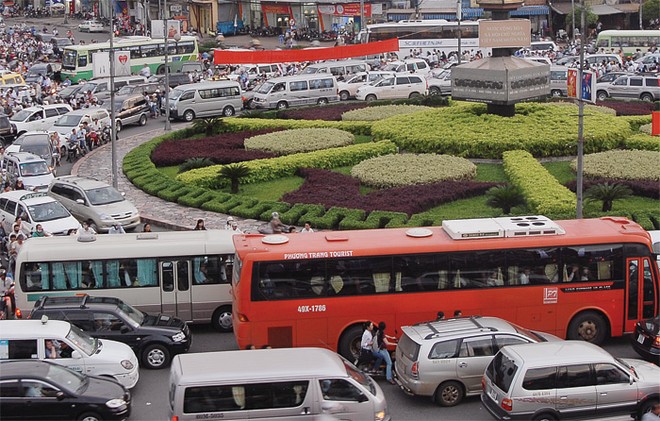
(515, 226)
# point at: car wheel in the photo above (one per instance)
(414, 95)
(250, 104)
(228, 111)
(434, 90)
(143, 120)
(155, 356)
(222, 319)
(282, 105)
(188, 115)
(449, 394)
(646, 97)
(555, 93)
(343, 95)
(90, 416)
(601, 95)
(544, 417)
(93, 226)
(370, 98)
(588, 326)
(349, 344)
(322, 101)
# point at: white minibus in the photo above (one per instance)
(287, 91)
(205, 99)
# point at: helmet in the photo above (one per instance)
(275, 215)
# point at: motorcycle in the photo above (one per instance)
(72, 151)
(8, 303)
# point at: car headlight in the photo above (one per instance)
(127, 364)
(106, 217)
(115, 403)
(380, 415)
(179, 337)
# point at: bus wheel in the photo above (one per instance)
(588, 326)
(155, 356)
(160, 70)
(349, 344)
(222, 319)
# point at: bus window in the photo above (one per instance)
(82, 60)
(182, 275)
(167, 275)
(211, 270)
(648, 291)
(593, 263)
(533, 266)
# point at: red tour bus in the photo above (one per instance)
(588, 279)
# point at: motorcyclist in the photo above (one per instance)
(8, 302)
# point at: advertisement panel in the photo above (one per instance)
(346, 9)
(101, 64)
(511, 33)
(158, 29)
(586, 88)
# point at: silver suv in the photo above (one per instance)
(445, 359)
(95, 202)
(569, 379)
(646, 88)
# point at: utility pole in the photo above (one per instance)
(113, 123)
(580, 144)
(459, 13)
(417, 9)
(641, 24)
(168, 125)
(361, 14)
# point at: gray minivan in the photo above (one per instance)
(300, 383)
(205, 99)
(287, 91)
(558, 81)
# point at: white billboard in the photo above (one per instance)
(101, 64)
(158, 30)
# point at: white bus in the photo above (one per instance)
(426, 35)
(77, 59)
(186, 274)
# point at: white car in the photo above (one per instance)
(39, 117)
(90, 26)
(399, 86)
(347, 88)
(411, 65)
(75, 119)
(439, 82)
(35, 208)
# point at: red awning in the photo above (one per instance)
(312, 54)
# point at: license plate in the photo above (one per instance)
(640, 338)
(493, 395)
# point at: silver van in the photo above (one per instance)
(205, 99)
(287, 91)
(445, 359)
(568, 379)
(300, 383)
(558, 81)
(337, 68)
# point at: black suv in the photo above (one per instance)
(155, 339)
(7, 130)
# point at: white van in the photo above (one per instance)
(412, 65)
(300, 383)
(39, 117)
(205, 99)
(337, 68)
(73, 348)
(32, 169)
(35, 208)
(255, 71)
(284, 92)
(558, 81)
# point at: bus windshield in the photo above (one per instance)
(69, 59)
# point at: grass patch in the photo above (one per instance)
(270, 190)
(491, 172)
(561, 171)
(474, 207)
(171, 171)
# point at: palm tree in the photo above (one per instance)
(607, 193)
(504, 197)
(234, 173)
(208, 126)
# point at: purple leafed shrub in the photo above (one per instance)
(330, 189)
(225, 148)
(628, 107)
(644, 188)
(327, 112)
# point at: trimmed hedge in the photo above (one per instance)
(627, 165)
(543, 193)
(643, 142)
(270, 169)
(381, 112)
(466, 130)
(293, 141)
(240, 124)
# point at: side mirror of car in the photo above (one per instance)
(125, 329)
(60, 395)
(80, 201)
(362, 398)
(76, 355)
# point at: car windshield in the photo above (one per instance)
(391, 68)
(65, 377)
(69, 120)
(32, 169)
(69, 90)
(265, 88)
(21, 115)
(89, 86)
(103, 196)
(86, 343)
(44, 212)
(39, 149)
(133, 314)
(175, 93)
(125, 90)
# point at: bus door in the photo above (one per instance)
(640, 292)
(175, 293)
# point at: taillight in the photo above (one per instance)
(414, 370)
(507, 404)
(483, 383)
(242, 317)
(656, 342)
(175, 418)
(18, 313)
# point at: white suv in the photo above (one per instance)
(40, 117)
(347, 88)
(95, 202)
(411, 65)
(395, 87)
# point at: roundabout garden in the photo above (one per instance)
(354, 166)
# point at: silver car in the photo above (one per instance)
(569, 379)
(446, 359)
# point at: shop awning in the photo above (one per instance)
(297, 56)
(603, 10)
(398, 16)
(530, 11)
(446, 16)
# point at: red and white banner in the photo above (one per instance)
(278, 9)
(299, 56)
(346, 9)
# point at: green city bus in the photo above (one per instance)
(77, 59)
(628, 40)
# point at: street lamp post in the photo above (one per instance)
(573, 20)
(459, 16)
(168, 125)
(113, 123)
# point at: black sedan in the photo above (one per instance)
(41, 390)
(646, 339)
